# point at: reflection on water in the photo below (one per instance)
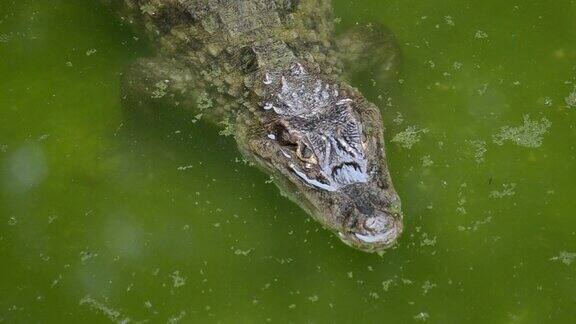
(108, 218)
(26, 168)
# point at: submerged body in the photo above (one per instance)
(273, 73)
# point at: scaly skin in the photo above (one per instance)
(271, 71)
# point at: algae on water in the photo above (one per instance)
(571, 99)
(409, 137)
(528, 135)
(5, 38)
(204, 101)
(112, 314)
(478, 150)
(427, 161)
(565, 257)
(160, 90)
(507, 191)
(177, 279)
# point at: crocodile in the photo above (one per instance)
(277, 77)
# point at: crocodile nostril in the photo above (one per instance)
(380, 230)
(375, 224)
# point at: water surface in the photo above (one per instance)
(107, 220)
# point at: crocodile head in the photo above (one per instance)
(324, 148)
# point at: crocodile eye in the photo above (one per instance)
(304, 152)
(283, 136)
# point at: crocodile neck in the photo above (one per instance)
(273, 55)
(232, 45)
(256, 24)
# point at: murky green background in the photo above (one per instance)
(102, 219)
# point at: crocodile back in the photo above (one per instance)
(244, 19)
(198, 22)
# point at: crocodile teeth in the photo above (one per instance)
(349, 173)
(312, 182)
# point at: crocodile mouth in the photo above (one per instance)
(375, 233)
(343, 174)
(349, 172)
(370, 230)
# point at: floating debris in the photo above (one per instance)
(374, 295)
(395, 281)
(386, 284)
(91, 51)
(87, 255)
(229, 128)
(427, 286)
(476, 224)
(527, 135)
(112, 314)
(5, 38)
(483, 90)
(480, 35)
(398, 119)
(243, 252)
(462, 200)
(177, 279)
(204, 101)
(565, 257)
(422, 316)
(479, 150)
(56, 281)
(313, 298)
(12, 221)
(507, 191)
(428, 240)
(409, 137)
(427, 161)
(176, 318)
(160, 90)
(571, 99)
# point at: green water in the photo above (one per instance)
(102, 220)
